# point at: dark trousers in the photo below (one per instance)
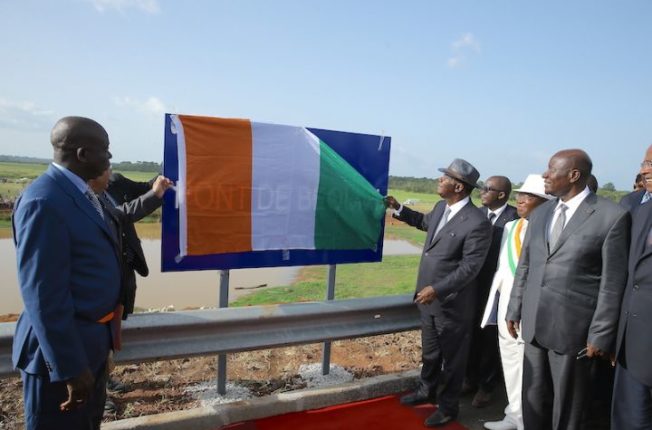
(42, 400)
(484, 369)
(632, 402)
(445, 350)
(556, 389)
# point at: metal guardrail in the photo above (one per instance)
(169, 335)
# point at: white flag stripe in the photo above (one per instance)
(286, 163)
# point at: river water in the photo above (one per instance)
(178, 289)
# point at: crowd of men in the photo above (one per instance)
(549, 294)
(557, 289)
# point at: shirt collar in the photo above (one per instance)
(575, 201)
(456, 207)
(498, 211)
(72, 177)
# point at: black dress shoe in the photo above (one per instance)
(416, 398)
(438, 419)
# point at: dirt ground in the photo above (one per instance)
(161, 386)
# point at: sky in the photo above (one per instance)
(502, 84)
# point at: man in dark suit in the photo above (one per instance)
(67, 251)
(632, 399)
(483, 371)
(567, 292)
(635, 199)
(456, 246)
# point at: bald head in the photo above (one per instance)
(81, 145)
(568, 173)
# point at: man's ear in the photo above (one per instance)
(459, 187)
(81, 154)
(501, 195)
(574, 175)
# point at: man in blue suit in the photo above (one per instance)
(68, 260)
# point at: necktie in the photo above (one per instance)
(95, 202)
(558, 227)
(646, 197)
(492, 217)
(442, 222)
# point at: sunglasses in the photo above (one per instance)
(486, 189)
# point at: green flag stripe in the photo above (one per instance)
(349, 210)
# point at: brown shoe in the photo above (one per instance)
(481, 399)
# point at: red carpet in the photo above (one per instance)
(384, 413)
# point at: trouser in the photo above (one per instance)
(632, 402)
(43, 397)
(483, 368)
(556, 389)
(445, 349)
(511, 355)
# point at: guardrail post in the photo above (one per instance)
(330, 295)
(221, 358)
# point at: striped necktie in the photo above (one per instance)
(646, 197)
(92, 197)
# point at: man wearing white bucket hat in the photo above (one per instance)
(530, 195)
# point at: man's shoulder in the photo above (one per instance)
(608, 206)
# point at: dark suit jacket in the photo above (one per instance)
(634, 340)
(69, 277)
(452, 260)
(632, 201)
(571, 295)
(486, 276)
(136, 200)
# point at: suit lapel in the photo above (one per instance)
(543, 226)
(80, 199)
(457, 219)
(439, 212)
(583, 212)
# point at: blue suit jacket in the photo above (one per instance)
(69, 277)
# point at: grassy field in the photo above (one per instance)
(394, 275)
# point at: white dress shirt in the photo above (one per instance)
(498, 212)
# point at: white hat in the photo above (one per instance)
(534, 185)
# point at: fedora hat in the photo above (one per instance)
(534, 185)
(463, 171)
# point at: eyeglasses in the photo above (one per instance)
(647, 163)
(486, 189)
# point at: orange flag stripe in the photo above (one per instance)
(218, 184)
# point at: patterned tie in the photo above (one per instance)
(558, 227)
(492, 217)
(646, 197)
(95, 202)
(442, 222)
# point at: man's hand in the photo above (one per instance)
(391, 202)
(513, 327)
(593, 351)
(160, 186)
(426, 296)
(79, 390)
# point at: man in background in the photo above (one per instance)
(638, 197)
(483, 371)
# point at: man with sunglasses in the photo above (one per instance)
(456, 246)
(483, 370)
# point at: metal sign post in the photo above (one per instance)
(330, 295)
(221, 358)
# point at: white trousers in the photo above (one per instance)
(511, 355)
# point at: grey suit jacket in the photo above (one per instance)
(451, 261)
(634, 340)
(571, 295)
(632, 201)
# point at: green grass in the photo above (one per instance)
(394, 275)
(21, 170)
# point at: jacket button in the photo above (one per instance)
(634, 315)
(636, 287)
(426, 254)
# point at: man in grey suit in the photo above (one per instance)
(567, 292)
(456, 246)
(632, 399)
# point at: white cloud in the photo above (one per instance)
(462, 47)
(24, 115)
(153, 105)
(147, 6)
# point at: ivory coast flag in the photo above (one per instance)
(250, 186)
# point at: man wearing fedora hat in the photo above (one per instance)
(529, 196)
(457, 241)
